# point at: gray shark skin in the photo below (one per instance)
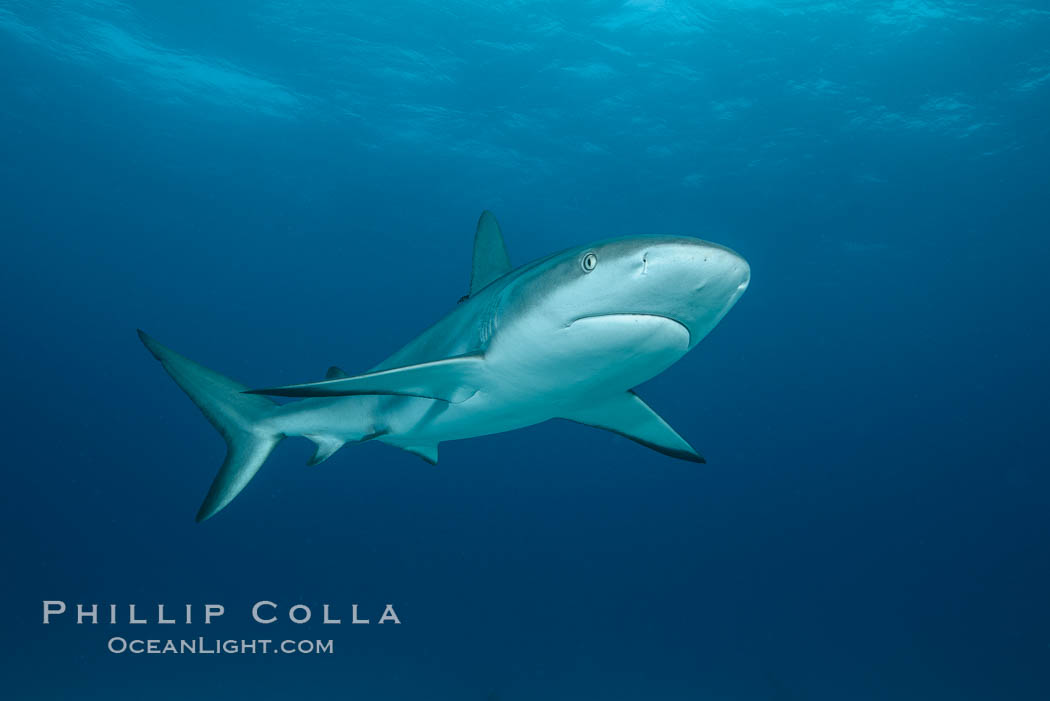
(567, 336)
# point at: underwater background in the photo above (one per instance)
(274, 187)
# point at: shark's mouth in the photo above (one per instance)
(628, 315)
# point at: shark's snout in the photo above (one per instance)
(693, 281)
(695, 265)
(740, 271)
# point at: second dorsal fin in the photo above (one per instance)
(490, 253)
(335, 372)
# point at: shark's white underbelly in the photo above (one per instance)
(579, 367)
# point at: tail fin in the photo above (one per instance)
(238, 417)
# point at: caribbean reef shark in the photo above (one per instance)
(567, 336)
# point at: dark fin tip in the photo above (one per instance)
(206, 511)
(670, 452)
(151, 344)
(680, 454)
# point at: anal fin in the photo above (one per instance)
(326, 447)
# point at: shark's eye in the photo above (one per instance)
(589, 262)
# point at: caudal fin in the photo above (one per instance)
(239, 417)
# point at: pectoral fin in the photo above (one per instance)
(450, 379)
(632, 418)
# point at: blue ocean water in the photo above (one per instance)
(274, 187)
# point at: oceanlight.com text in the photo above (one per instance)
(214, 646)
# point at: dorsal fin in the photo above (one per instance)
(490, 253)
(334, 372)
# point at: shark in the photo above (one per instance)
(567, 336)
